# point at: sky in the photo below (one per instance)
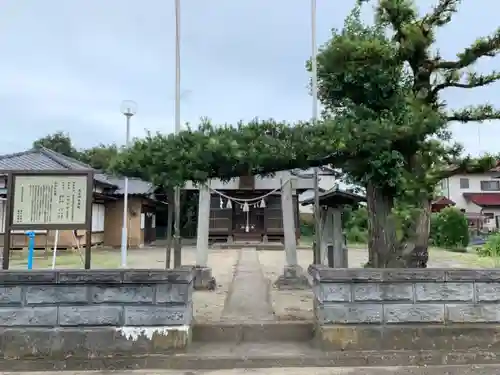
(67, 65)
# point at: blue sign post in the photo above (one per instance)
(31, 248)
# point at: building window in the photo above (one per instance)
(490, 185)
(464, 183)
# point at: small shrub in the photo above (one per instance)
(491, 248)
(449, 229)
(306, 227)
(356, 235)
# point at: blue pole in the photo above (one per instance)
(31, 249)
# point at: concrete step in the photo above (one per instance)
(219, 356)
(392, 370)
(278, 246)
(253, 332)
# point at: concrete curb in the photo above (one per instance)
(271, 360)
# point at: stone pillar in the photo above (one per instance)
(289, 223)
(203, 274)
(339, 250)
(293, 276)
(326, 234)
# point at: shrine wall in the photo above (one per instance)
(94, 314)
(412, 309)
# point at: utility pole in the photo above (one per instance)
(314, 86)
(177, 192)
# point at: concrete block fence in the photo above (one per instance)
(94, 313)
(406, 308)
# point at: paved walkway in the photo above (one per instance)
(248, 299)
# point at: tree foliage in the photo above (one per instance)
(98, 157)
(59, 142)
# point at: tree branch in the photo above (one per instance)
(475, 114)
(472, 80)
(485, 47)
(441, 13)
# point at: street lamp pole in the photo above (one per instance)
(314, 86)
(129, 109)
(177, 192)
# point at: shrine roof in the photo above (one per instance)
(335, 197)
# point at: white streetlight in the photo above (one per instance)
(128, 109)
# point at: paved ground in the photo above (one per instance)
(434, 370)
(248, 297)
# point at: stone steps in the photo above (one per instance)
(278, 246)
(284, 331)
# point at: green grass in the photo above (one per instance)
(67, 260)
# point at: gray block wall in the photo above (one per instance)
(113, 298)
(405, 296)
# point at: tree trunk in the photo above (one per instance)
(416, 252)
(383, 247)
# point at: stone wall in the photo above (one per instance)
(91, 314)
(416, 309)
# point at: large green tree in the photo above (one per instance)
(380, 86)
(59, 142)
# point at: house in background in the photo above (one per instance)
(107, 205)
(477, 195)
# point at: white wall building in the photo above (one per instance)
(478, 195)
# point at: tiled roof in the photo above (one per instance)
(29, 160)
(483, 199)
(335, 196)
(443, 201)
(135, 186)
(43, 159)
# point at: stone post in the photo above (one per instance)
(203, 274)
(289, 223)
(326, 234)
(339, 250)
(293, 276)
